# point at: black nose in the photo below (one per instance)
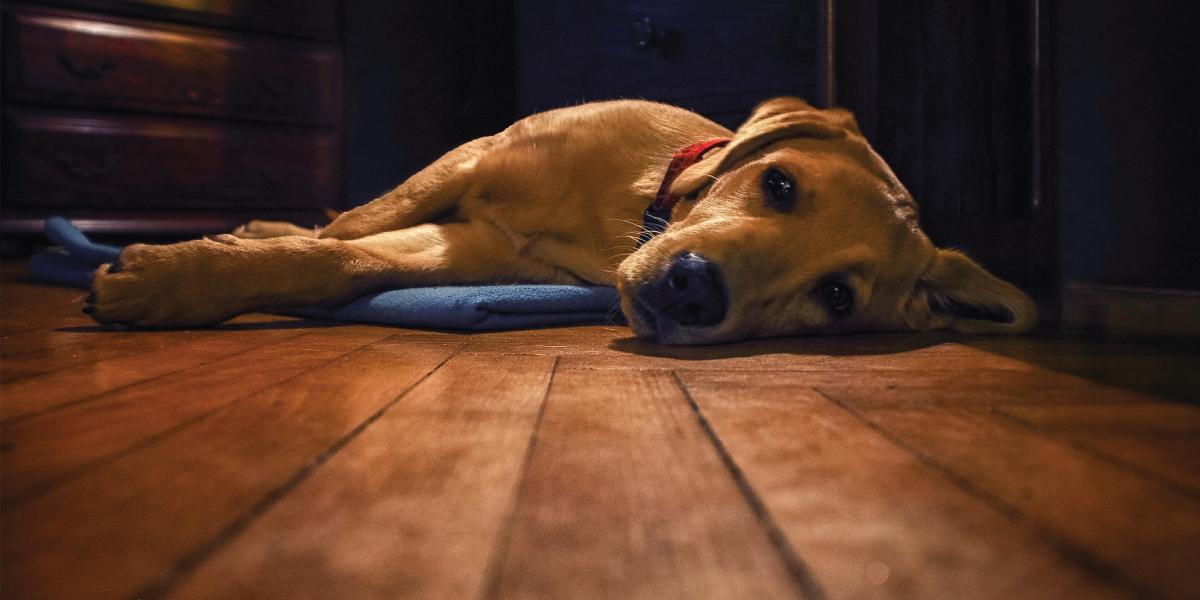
(690, 293)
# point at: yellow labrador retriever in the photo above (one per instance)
(790, 225)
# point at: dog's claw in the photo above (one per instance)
(88, 310)
(116, 266)
(91, 298)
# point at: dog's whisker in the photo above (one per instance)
(627, 222)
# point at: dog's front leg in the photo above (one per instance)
(207, 281)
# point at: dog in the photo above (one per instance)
(793, 224)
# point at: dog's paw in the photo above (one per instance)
(253, 230)
(257, 230)
(164, 286)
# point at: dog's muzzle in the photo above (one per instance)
(690, 294)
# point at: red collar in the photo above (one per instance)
(658, 214)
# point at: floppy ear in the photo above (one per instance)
(771, 121)
(962, 296)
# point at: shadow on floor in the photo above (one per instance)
(840, 345)
(1165, 367)
(1168, 368)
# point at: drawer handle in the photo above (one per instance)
(644, 34)
(81, 166)
(85, 73)
(285, 89)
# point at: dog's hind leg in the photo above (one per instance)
(204, 282)
(431, 192)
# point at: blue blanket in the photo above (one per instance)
(480, 308)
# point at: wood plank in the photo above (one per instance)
(1160, 440)
(96, 538)
(412, 507)
(625, 497)
(1133, 528)
(61, 387)
(46, 449)
(39, 340)
(550, 341)
(26, 307)
(871, 520)
(1149, 418)
(103, 343)
(985, 387)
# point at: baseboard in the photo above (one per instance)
(1117, 310)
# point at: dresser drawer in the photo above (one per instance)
(71, 60)
(91, 161)
(318, 19)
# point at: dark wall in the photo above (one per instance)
(1129, 136)
(421, 77)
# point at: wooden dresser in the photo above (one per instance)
(171, 117)
(714, 57)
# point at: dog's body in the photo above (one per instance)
(779, 226)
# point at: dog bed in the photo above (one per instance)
(478, 307)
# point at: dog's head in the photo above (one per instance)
(797, 226)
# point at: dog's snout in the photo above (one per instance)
(691, 292)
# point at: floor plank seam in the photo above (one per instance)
(1079, 555)
(1177, 488)
(56, 407)
(49, 486)
(496, 563)
(801, 575)
(186, 565)
(149, 440)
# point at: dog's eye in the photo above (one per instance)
(779, 190)
(838, 296)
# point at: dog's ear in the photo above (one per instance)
(824, 122)
(962, 296)
(772, 120)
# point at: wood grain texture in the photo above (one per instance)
(1154, 439)
(311, 460)
(982, 387)
(186, 489)
(870, 519)
(413, 507)
(1131, 528)
(301, 18)
(45, 449)
(28, 311)
(137, 363)
(100, 347)
(96, 61)
(625, 497)
(109, 162)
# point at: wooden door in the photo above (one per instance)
(952, 95)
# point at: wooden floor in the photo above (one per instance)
(279, 458)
